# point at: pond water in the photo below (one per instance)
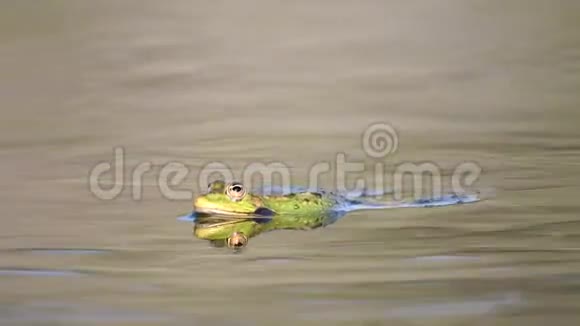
(493, 83)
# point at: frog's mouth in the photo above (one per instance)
(210, 211)
(217, 221)
(214, 222)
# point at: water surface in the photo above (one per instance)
(492, 82)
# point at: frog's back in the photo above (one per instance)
(300, 203)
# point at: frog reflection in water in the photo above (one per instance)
(229, 215)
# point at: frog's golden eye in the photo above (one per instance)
(236, 191)
(237, 240)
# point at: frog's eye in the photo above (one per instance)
(236, 191)
(237, 240)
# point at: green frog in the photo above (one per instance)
(229, 215)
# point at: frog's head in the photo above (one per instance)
(223, 229)
(229, 199)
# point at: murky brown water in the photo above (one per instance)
(493, 82)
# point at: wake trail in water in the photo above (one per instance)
(447, 200)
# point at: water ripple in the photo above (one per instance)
(39, 272)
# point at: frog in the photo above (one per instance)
(229, 214)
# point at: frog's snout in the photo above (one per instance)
(199, 202)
